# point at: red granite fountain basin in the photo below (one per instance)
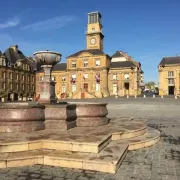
(60, 116)
(91, 114)
(21, 117)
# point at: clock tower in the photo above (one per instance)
(94, 35)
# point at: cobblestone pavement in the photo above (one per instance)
(160, 162)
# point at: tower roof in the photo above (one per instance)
(95, 12)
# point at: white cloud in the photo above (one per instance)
(10, 23)
(54, 23)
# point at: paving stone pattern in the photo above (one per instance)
(160, 162)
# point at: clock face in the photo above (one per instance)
(93, 41)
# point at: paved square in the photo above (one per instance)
(160, 162)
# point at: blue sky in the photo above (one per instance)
(147, 29)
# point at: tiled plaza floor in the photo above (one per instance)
(160, 162)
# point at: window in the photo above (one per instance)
(170, 73)
(74, 76)
(97, 62)
(33, 87)
(63, 88)
(28, 78)
(171, 81)
(85, 63)
(10, 75)
(17, 86)
(23, 77)
(73, 64)
(63, 78)
(85, 76)
(98, 87)
(3, 75)
(73, 87)
(114, 76)
(86, 87)
(3, 62)
(53, 78)
(93, 29)
(4, 85)
(33, 78)
(23, 87)
(41, 78)
(10, 86)
(27, 86)
(17, 77)
(126, 76)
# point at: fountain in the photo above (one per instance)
(47, 59)
(42, 136)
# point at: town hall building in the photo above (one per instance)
(91, 73)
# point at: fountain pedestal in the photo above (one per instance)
(47, 87)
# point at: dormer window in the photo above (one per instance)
(73, 64)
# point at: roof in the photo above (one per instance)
(12, 56)
(122, 64)
(117, 54)
(92, 51)
(60, 67)
(170, 60)
(57, 67)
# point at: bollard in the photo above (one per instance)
(127, 96)
(144, 96)
(175, 97)
(154, 96)
(161, 96)
(135, 96)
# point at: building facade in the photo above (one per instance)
(17, 76)
(91, 73)
(169, 76)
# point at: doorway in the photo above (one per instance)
(171, 90)
(126, 86)
(114, 89)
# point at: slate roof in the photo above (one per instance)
(92, 51)
(57, 67)
(122, 64)
(170, 60)
(117, 54)
(60, 67)
(12, 56)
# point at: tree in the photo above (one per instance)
(150, 84)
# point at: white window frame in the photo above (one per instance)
(63, 89)
(73, 87)
(73, 64)
(63, 78)
(74, 76)
(98, 62)
(126, 76)
(53, 78)
(85, 63)
(98, 87)
(85, 76)
(114, 76)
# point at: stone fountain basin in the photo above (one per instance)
(47, 57)
(21, 117)
(91, 113)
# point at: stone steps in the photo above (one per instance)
(108, 160)
(150, 138)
